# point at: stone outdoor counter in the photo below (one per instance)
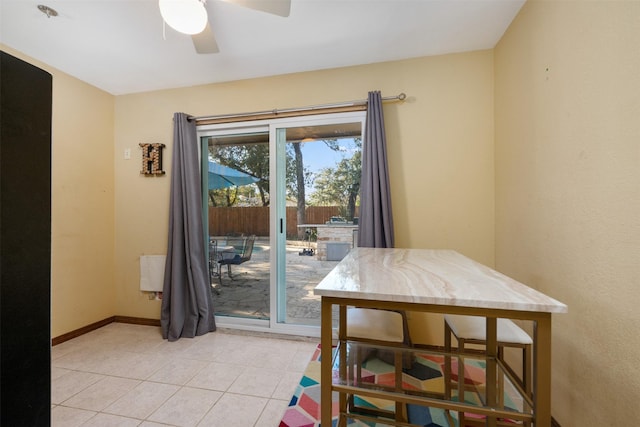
(333, 233)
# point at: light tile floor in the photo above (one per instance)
(127, 375)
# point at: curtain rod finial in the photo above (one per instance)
(402, 96)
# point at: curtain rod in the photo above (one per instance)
(400, 97)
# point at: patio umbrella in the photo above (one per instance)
(221, 176)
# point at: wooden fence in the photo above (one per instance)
(255, 219)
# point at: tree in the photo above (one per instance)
(252, 159)
(298, 177)
(337, 185)
(340, 185)
(300, 187)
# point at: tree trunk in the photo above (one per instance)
(301, 205)
(351, 206)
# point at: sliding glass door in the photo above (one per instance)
(236, 211)
(293, 184)
(318, 176)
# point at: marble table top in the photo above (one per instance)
(430, 276)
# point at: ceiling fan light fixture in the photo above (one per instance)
(185, 16)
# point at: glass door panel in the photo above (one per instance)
(317, 180)
(237, 196)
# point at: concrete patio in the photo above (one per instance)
(247, 293)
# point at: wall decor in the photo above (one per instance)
(152, 159)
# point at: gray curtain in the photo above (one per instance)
(375, 226)
(187, 302)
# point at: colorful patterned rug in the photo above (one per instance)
(426, 373)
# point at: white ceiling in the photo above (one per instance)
(118, 45)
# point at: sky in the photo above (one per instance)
(318, 155)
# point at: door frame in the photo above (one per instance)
(276, 213)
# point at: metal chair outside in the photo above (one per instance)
(242, 250)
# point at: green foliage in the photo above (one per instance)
(340, 185)
(252, 159)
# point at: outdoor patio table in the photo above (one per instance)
(439, 281)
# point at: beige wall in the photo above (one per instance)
(440, 144)
(568, 193)
(82, 218)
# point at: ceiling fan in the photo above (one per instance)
(190, 17)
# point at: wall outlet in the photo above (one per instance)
(127, 153)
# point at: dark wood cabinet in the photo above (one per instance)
(25, 243)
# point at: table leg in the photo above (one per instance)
(325, 364)
(542, 371)
(342, 335)
(447, 361)
(492, 353)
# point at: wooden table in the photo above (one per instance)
(438, 281)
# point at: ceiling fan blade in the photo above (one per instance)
(274, 7)
(205, 42)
